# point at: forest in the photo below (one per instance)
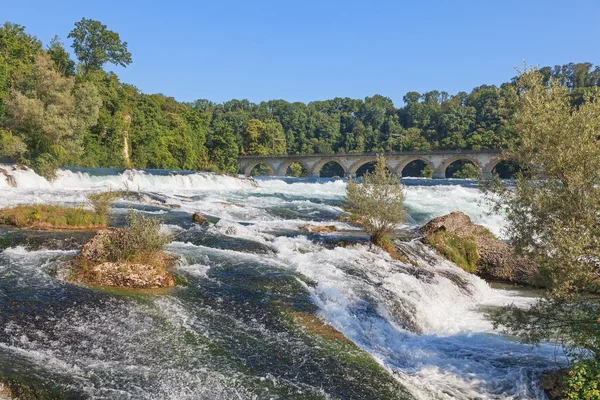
(56, 111)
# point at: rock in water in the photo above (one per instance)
(200, 219)
(476, 249)
(95, 266)
(318, 228)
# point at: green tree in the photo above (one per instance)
(60, 57)
(95, 45)
(376, 202)
(18, 51)
(50, 114)
(468, 171)
(553, 218)
(223, 150)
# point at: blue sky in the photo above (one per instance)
(315, 50)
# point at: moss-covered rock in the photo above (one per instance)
(475, 249)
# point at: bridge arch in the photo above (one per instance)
(251, 165)
(316, 169)
(404, 164)
(440, 171)
(489, 167)
(283, 167)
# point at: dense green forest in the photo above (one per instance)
(55, 111)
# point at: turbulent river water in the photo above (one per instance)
(229, 329)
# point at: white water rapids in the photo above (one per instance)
(425, 325)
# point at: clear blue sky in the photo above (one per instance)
(315, 50)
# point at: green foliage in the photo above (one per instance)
(377, 201)
(223, 147)
(139, 241)
(95, 45)
(131, 129)
(552, 217)
(427, 171)
(297, 170)
(583, 380)
(468, 171)
(49, 216)
(261, 170)
(552, 211)
(102, 201)
(462, 251)
(50, 114)
(61, 58)
(11, 146)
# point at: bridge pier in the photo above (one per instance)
(439, 174)
(487, 176)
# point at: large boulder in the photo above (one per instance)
(474, 248)
(94, 265)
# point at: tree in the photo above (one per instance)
(223, 150)
(18, 51)
(60, 57)
(50, 114)
(95, 45)
(377, 202)
(553, 218)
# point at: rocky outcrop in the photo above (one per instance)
(200, 219)
(477, 250)
(94, 265)
(9, 178)
(553, 383)
(318, 228)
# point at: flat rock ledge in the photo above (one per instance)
(496, 260)
(92, 267)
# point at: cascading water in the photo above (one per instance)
(225, 331)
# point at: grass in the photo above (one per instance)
(51, 217)
(462, 251)
(101, 201)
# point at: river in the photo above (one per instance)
(226, 331)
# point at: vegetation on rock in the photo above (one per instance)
(52, 217)
(476, 250)
(131, 257)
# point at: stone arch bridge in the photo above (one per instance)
(438, 160)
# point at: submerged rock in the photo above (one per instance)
(475, 249)
(94, 266)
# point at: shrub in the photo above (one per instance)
(102, 201)
(376, 203)
(427, 172)
(583, 380)
(468, 171)
(139, 241)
